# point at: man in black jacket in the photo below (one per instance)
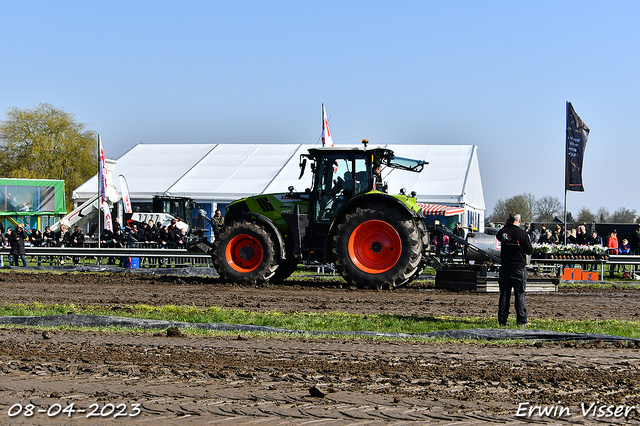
(458, 231)
(594, 239)
(16, 239)
(150, 233)
(515, 244)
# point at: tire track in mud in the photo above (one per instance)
(222, 378)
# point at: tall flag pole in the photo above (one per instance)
(576, 142)
(327, 140)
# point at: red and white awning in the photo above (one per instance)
(440, 210)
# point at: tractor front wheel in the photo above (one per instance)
(376, 248)
(245, 254)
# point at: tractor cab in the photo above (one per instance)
(343, 173)
(338, 176)
(166, 209)
(181, 208)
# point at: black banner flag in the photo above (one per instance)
(577, 134)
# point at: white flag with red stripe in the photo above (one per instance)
(124, 190)
(102, 172)
(108, 220)
(326, 133)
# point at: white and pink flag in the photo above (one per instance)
(102, 172)
(108, 220)
(326, 133)
(124, 190)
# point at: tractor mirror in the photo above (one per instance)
(303, 165)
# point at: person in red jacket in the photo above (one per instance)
(612, 244)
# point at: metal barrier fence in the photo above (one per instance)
(149, 257)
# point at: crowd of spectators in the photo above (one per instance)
(148, 235)
(580, 236)
(17, 238)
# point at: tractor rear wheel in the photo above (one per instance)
(376, 249)
(244, 253)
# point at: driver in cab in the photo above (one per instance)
(377, 183)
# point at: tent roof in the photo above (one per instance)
(226, 172)
(451, 177)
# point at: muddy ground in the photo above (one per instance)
(248, 380)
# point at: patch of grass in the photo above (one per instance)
(305, 321)
(626, 284)
(611, 327)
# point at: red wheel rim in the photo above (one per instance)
(375, 246)
(244, 253)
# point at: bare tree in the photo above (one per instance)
(603, 215)
(585, 216)
(623, 215)
(570, 218)
(547, 207)
(522, 204)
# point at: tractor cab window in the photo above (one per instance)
(335, 185)
(179, 209)
(405, 164)
(361, 176)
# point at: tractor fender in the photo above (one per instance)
(374, 200)
(272, 226)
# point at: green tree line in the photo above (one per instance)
(47, 143)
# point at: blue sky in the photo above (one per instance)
(496, 74)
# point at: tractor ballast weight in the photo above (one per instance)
(374, 239)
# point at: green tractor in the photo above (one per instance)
(375, 240)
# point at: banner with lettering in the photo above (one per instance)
(124, 190)
(577, 134)
(108, 219)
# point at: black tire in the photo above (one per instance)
(245, 254)
(373, 248)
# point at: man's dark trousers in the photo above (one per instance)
(517, 279)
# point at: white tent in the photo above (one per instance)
(221, 173)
